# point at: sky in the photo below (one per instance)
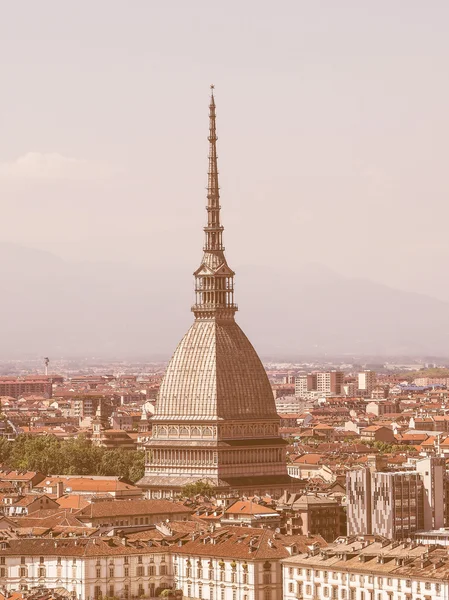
(332, 122)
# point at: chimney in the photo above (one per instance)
(59, 489)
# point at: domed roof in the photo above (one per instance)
(215, 373)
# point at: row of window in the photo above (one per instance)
(232, 576)
(267, 594)
(337, 593)
(140, 571)
(362, 579)
(139, 592)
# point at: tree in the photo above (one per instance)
(202, 488)
(76, 456)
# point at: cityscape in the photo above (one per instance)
(215, 470)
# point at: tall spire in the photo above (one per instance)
(214, 230)
(214, 280)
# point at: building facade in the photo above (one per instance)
(355, 569)
(396, 504)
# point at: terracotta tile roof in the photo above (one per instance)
(246, 507)
(309, 459)
(118, 508)
(72, 501)
(88, 484)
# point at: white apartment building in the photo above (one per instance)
(88, 568)
(354, 569)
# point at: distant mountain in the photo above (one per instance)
(52, 307)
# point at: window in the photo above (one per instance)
(111, 591)
(343, 594)
(334, 592)
(126, 560)
(97, 592)
(267, 594)
(140, 560)
(126, 589)
(352, 593)
(41, 560)
(23, 572)
(2, 572)
(308, 590)
(111, 573)
(200, 591)
(141, 590)
(389, 581)
(211, 593)
(267, 578)
(126, 571)
(211, 573)
(163, 570)
(408, 583)
(245, 578)
(290, 588)
(427, 585)
(2, 560)
(189, 591)
(41, 572)
(326, 592)
(222, 593)
(140, 571)
(22, 560)
(438, 588)
(98, 573)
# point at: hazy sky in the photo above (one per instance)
(332, 121)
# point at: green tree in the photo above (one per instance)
(199, 487)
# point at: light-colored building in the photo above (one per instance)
(89, 568)
(232, 563)
(353, 569)
(324, 384)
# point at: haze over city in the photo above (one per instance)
(332, 125)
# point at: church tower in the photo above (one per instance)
(215, 417)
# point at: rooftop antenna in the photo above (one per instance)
(46, 362)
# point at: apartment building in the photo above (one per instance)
(357, 569)
(328, 383)
(88, 568)
(366, 383)
(396, 504)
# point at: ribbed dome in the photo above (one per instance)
(215, 373)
